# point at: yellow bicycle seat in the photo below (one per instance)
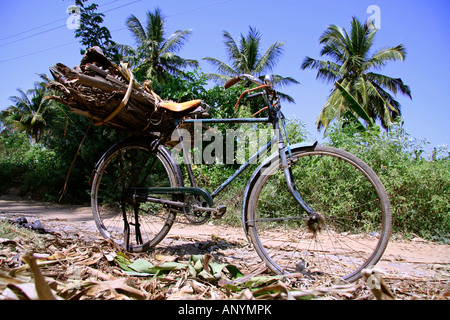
(180, 107)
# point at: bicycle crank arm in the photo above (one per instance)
(217, 213)
(176, 204)
(175, 190)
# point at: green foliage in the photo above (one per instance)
(67, 133)
(30, 111)
(419, 188)
(179, 89)
(28, 166)
(91, 33)
(40, 169)
(12, 146)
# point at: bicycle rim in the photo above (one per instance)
(349, 230)
(125, 167)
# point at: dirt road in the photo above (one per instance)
(419, 261)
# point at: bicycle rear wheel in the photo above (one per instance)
(137, 226)
(350, 226)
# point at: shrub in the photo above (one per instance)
(419, 188)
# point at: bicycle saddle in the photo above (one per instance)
(180, 107)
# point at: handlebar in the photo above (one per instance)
(267, 85)
(267, 81)
(232, 82)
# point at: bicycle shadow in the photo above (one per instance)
(221, 250)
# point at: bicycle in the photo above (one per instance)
(338, 224)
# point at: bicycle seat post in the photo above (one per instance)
(187, 161)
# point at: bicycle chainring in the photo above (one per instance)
(196, 217)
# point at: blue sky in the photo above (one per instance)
(34, 36)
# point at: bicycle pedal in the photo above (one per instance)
(219, 212)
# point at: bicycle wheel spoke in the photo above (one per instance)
(127, 167)
(348, 230)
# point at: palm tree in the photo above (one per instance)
(351, 69)
(30, 111)
(156, 55)
(247, 58)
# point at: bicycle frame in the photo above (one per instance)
(284, 153)
(282, 147)
(244, 166)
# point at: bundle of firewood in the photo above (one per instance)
(108, 95)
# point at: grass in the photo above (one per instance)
(10, 231)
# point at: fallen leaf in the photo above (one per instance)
(114, 289)
(43, 290)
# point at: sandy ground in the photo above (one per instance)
(415, 259)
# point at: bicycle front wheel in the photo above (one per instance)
(137, 226)
(350, 226)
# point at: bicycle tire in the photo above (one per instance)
(128, 164)
(350, 231)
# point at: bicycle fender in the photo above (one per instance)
(260, 171)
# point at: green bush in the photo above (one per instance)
(30, 167)
(39, 170)
(418, 188)
(13, 145)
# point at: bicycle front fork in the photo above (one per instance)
(291, 184)
(286, 164)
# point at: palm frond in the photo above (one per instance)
(353, 104)
(326, 70)
(270, 58)
(125, 50)
(128, 54)
(382, 105)
(155, 56)
(285, 97)
(22, 102)
(221, 66)
(249, 49)
(220, 79)
(333, 51)
(29, 114)
(360, 41)
(176, 41)
(284, 81)
(357, 87)
(392, 84)
(136, 28)
(334, 108)
(155, 26)
(170, 59)
(246, 58)
(336, 36)
(231, 47)
(381, 57)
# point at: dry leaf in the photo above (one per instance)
(118, 288)
(43, 290)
